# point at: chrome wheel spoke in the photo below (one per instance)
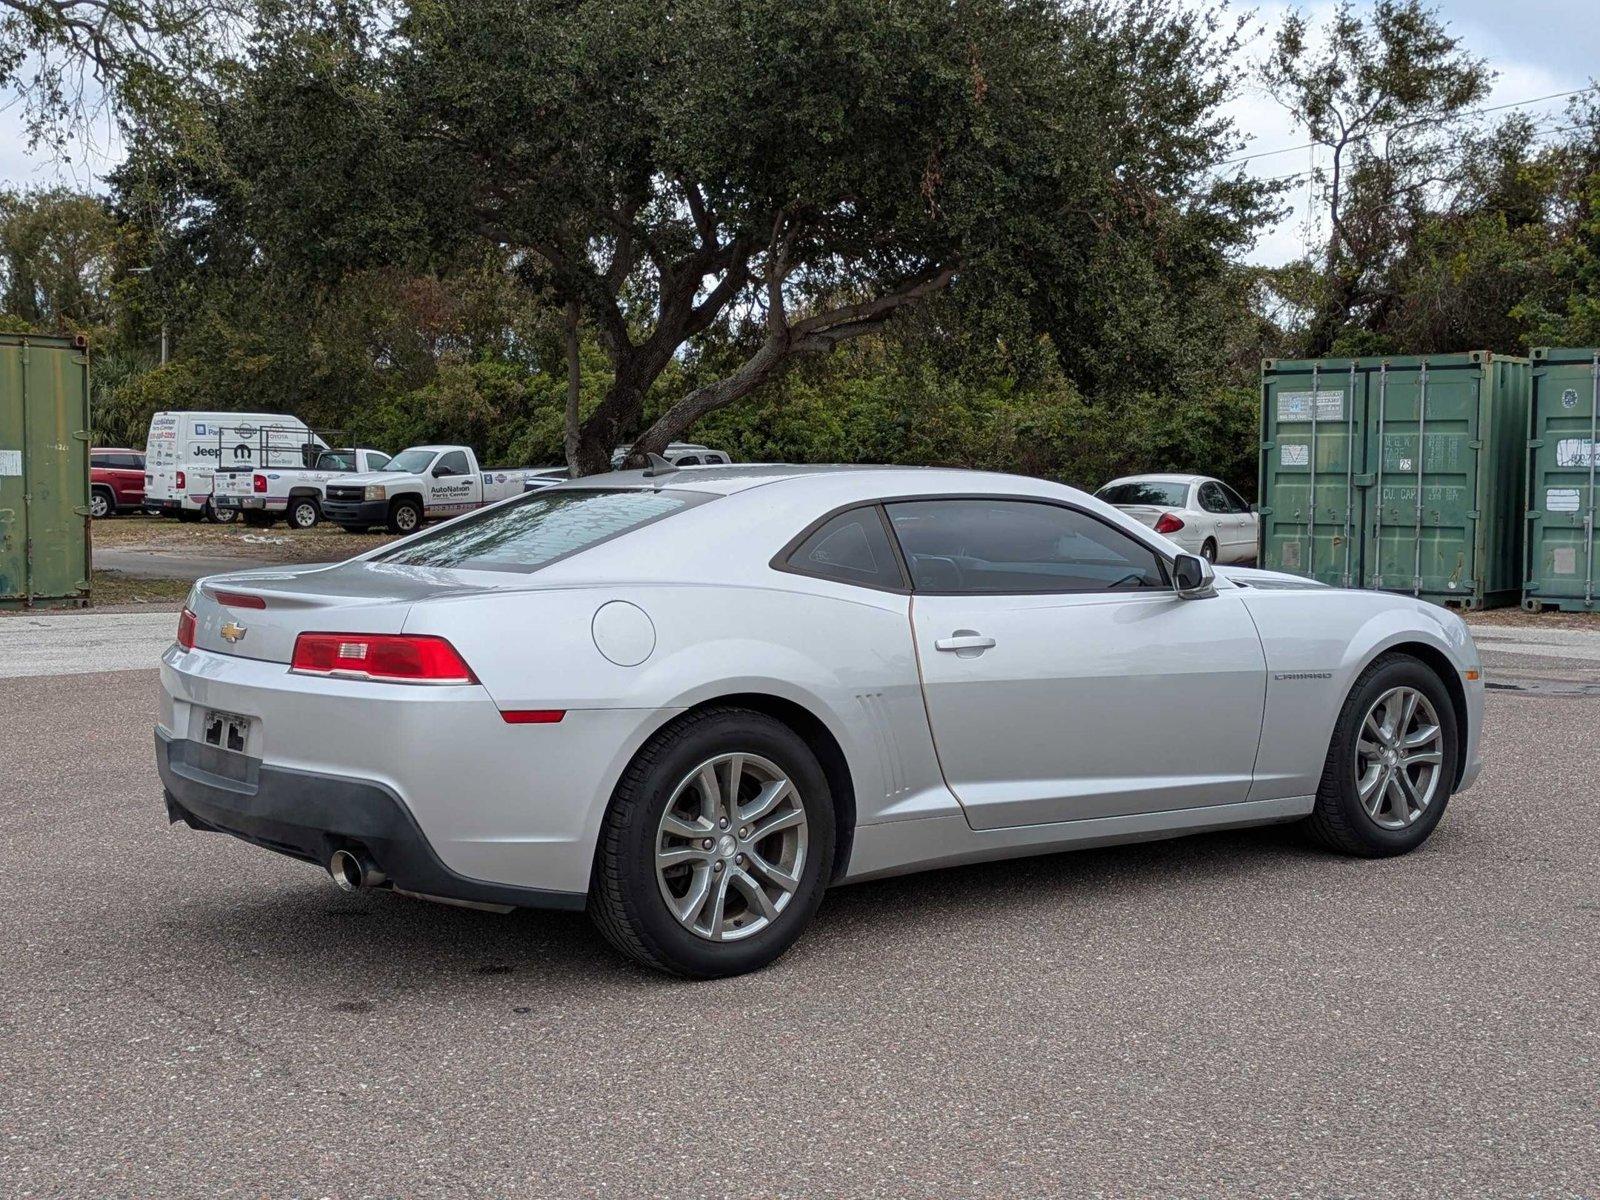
(1371, 784)
(678, 855)
(711, 805)
(678, 827)
(694, 900)
(1421, 736)
(1425, 758)
(768, 798)
(753, 892)
(775, 873)
(784, 820)
(719, 908)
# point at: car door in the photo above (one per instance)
(1243, 526)
(1063, 677)
(451, 484)
(130, 479)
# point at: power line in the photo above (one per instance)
(1473, 112)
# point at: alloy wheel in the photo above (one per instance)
(1399, 757)
(730, 848)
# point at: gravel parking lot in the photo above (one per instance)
(185, 1015)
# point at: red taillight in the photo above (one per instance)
(413, 658)
(532, 716)
(186, 624)
(258, 483)
(239, 600)
(182, 482)
(1167, 523)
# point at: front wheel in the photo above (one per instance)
(1392, 763)
(100, 505)
(717, 846)
(405, 516)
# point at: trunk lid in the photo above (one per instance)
(351, 597)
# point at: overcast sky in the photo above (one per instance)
(1538, 47)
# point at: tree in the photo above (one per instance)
(1381, 96)
(789, 177)
(55, 258)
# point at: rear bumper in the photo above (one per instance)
(356, 512)
(308, 815)
(250, 503)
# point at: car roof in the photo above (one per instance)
(1162, 478)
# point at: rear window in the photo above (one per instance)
(1160, 495)
(539, 528)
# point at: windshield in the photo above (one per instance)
(1145, 491)
(414, 461)
(539, 528)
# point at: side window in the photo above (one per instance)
(377, 462)
(851, 548)
(1233, 498)
(1212, 499)
(989, 547)
(99, 460)
(688, 460)
(130, 462)
(454, 463)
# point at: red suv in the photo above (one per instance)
(116, 481)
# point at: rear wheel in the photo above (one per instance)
(1392, 763)
(101, 504)
(222, 516)
(404, 516)
(1208, 550)
(303, 512)
(717, 846)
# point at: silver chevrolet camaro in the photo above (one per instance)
(689, 700)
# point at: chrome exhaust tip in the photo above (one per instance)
(352, 871)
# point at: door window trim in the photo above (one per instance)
(780, 560)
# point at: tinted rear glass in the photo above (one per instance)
(539, 528)
(1161, 495)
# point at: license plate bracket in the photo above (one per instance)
(225, 731)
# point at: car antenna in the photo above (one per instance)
(658, 466)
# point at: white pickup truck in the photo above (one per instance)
(419, 484)
(295, 493)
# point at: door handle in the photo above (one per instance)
(964, 640)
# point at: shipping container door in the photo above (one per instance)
(1423, 444)
(1562, 566)
(13, 512)
(1312, 453)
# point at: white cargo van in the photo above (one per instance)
(184, 449)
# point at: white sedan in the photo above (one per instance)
(1203, 515)
(689, 701)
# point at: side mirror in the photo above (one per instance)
(1192, 577)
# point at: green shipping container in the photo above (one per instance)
(1563, 560)
(1401, 474)
(44, 471)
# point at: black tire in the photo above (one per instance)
(1208, 550)
(398, 516)
(625, 897)
(1339, 821)
(303, 512)
(102, 504)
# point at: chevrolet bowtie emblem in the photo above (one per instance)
(232, 632)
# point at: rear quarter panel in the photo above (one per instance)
(842, 653)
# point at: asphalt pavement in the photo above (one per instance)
(184, 1015)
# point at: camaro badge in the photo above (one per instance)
(232, 632)
(1285, 675)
